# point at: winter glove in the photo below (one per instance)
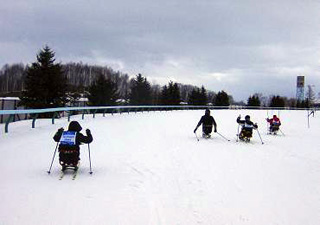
(215, 130)
(88, 132)
(60, 130)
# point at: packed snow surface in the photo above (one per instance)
(149, 169)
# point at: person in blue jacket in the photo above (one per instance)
(69, 146)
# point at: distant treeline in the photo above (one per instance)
(48, 84)
(79, 77)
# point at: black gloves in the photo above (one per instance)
(215, 130)
(88, 132)
(60, 130)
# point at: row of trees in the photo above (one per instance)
(278, 101)
(49, 84)
(46, 84)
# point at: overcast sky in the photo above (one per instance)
(240, 46)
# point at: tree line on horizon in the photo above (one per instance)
(47, 84)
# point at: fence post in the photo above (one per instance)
(34, 120)
(69, 114)
(53, 116)
(7, 123)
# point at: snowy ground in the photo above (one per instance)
(149, 169)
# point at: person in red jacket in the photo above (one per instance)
(274, 123)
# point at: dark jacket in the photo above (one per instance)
(80, 138)
(207, 122)
(247, 124)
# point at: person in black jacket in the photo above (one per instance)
(207, 122)
(247, 126)
(69, 144)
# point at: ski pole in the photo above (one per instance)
(238, 133)
(260, 136)
(238, 129)
(54, 154)
(89, 159)
(223, 136)
(267, 121)
(196, 135)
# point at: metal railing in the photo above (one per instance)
(55, 112)
(33, 114)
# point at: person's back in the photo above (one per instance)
(207, 122)
(69, 144)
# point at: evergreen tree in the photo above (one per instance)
(140, 91)
(45, 85)
(221, 99)
(175, 93)
(277, 101)
(194, 97)
(165, 95)
(203, 100)
(170, 94)
(102, 92)
(198, 96)
(254, 100)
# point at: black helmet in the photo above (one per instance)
(247, 117)
(207, 112)
(74, 126)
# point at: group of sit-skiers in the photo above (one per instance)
(247, 126)
(70, 140)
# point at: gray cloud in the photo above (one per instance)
(242, 47)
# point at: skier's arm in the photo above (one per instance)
(215, 125)
(199, 124)
(240, 121)
(57, 135)
(86, 139)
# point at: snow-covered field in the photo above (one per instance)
(149, 169)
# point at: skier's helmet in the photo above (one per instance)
(207, 112)
(247, 117)
(74, 126)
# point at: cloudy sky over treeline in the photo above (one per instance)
(240, 46)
